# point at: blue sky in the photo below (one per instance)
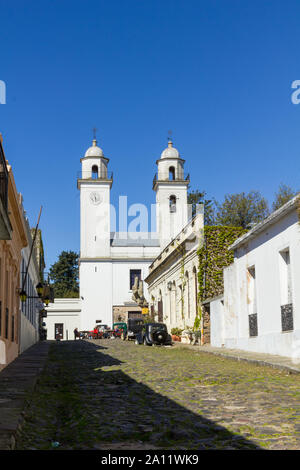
(218, 73)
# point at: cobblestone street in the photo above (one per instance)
(110, 394)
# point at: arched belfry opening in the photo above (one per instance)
(95, 171)
(171, 173)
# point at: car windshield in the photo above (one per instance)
(158, 327)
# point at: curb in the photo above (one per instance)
(260, 362)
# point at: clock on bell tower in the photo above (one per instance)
(94, 185)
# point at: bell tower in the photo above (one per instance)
(171, 188)
(94, 185)
(95, 272)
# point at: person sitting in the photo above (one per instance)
(76, 334)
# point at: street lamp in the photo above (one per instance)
(41, 289)
(23, 296)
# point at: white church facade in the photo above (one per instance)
(110, 261)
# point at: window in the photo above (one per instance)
(287, 322)
(251, 284)
(187, 288)
(171, 173)
(133, 274)
(172, 203)
(285, 277)
(12, 328)
(6, 323)
(94, 172)
(251, 300)
(160, 309)
(196, 289)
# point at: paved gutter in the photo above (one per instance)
(17, 380)
(278, 362)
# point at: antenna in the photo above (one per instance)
(169, 135)
(94, 132)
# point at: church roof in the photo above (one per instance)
(132, 239)
(170, 151)
(94, 151)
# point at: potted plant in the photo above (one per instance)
(176, 334)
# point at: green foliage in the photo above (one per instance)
(197, 322)
(213, 257)
(64, 275)
(148, 319)
(241, 210)
(284, 194)
(198, 197)
(176, 331)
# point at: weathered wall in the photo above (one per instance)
(263, 252)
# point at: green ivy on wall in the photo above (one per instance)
(213, 257)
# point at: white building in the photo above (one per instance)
(173, 277)
(29, 330)
(63, 316)
(110, 261)
(260, 309)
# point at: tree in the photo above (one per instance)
(198, 197)
(64, 275)
(242, 210)
(284, 194)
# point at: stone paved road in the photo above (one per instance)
(110, 394)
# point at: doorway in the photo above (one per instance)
(160, 311)
(59, 330)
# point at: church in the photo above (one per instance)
(110, 261)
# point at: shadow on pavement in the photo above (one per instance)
(122, 413)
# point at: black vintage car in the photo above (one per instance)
(134, 326)
(154, 334)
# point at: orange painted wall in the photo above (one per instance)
(10, 262)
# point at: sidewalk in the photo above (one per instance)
(278, 362)
(17, 380)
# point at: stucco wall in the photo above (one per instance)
(170, 270)
(263, 252)
(217, 322)
(65, 311)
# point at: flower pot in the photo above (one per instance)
(176, 338)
